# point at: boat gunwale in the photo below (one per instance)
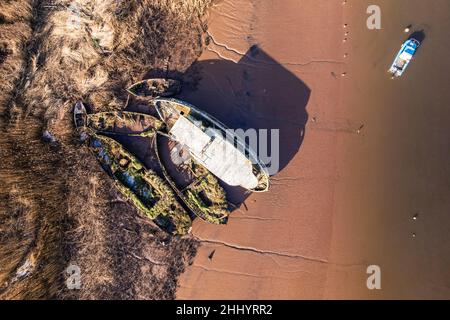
(155, 126)
(177, 82)
(223, 128)
(180, 193)
(131, 196)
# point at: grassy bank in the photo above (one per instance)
(57, 206)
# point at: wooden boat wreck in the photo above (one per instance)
(203, 195)
(124, 122)
(157, 87)
(142, 187)
(208, 141)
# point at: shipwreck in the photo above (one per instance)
(143, 187)
(201, 148)
(212, 145)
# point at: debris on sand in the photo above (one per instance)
(358, 131)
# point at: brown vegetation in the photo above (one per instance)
(57, 205)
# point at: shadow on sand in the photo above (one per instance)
(256, 92)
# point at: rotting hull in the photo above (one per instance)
(158, 87)
(204, 196)
(142, 187)
(123, 122)
(170, 111)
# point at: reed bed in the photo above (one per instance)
(57, 207)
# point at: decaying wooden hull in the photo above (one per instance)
(123, 122)
(204, 196)
(207, 195)
(208, 141)
(143, 187)
(152, 88)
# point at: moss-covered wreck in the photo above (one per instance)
(203, 196)
(143, 187)
(123, 122)
(157, 197)
(152, 88)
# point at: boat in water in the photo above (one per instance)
(203, 194)
(157, 87)
(404, 57)
(208, 142)
(141, 186)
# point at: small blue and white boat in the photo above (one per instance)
(404, 57)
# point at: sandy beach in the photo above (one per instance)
(360, 154)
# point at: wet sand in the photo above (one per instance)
(360, 154)
(277, 245)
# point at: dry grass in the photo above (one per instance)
(57, 206)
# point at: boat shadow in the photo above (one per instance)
(256, 92)
(419, 35)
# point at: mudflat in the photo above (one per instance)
(362, 174)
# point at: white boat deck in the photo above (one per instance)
(215, 153)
